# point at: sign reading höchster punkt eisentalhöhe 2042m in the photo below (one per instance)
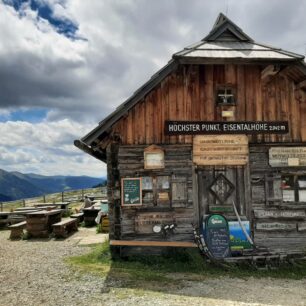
(229, 127)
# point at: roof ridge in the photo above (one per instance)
(222, 24)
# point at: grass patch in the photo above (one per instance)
(179, 264)
(98, 260)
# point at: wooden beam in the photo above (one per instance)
(181, 244)
(84, 147)
(268, 72)
(301, 85)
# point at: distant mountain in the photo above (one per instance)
(4, 198)
(16, 185)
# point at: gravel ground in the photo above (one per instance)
(33, 273)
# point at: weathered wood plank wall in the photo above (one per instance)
(276, 224)
(178, 169)
(189, 94)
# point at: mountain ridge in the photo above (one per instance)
(16, 185)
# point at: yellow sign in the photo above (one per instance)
(227, 150)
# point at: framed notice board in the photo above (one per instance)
(131, 191)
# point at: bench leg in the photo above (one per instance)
(60, 232)
(16, 233)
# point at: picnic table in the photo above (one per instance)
(4, 218)
(90, 214)
(39, 223)
(26, 209)
(59, 205)
(19, 214)
(96, 197)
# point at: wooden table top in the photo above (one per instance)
(45, 212)
(91, 208)
(26, 208)
(24, 212)
(51, 204)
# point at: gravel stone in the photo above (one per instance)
(33, 272)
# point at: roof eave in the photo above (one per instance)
(233, 60)
(100, 155)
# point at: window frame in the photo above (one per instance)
(226, 87)
(296, 188)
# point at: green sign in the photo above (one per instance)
(221, 209)
(131, 191)
(217, 236)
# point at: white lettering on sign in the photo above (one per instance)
(211, 127)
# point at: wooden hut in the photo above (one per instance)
(223, 121)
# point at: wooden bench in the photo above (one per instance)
(17, 230)
(63, 228)
(78, 216)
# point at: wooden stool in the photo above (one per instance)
(17, 230)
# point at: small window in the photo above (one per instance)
(294, 188)
(225, 95)
(156, 190)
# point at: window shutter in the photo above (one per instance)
(273, 189)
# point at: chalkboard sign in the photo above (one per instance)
(131, 191)
(217, 236)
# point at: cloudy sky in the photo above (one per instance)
(66, 64)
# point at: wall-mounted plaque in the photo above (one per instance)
(287, 156)
(154, 157)
(209, 150)
(147, 183)
(131, 191)
(163, 196)
(145, 221)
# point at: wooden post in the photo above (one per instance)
(1, 206)
(23, 203)
(82, 194)
(62, 196)
(44, 199)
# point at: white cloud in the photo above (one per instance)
(81, 81)
(47, 148)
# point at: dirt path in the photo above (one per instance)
(34, 273)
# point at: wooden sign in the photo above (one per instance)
(301, 227)
(282, 214)
(287, 156)
(131, 191)
(221, 209)
(145, 221)
(209, 150)
(154, 157)
(275, 226)
(221, 127)
(163, 196)
(217, 236)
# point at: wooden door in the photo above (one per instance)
(218, 188)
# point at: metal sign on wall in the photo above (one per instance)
(229, 127)
(287, 156)
(225, 150)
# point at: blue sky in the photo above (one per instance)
(44, 10)
(32, 115)
(65, 64)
